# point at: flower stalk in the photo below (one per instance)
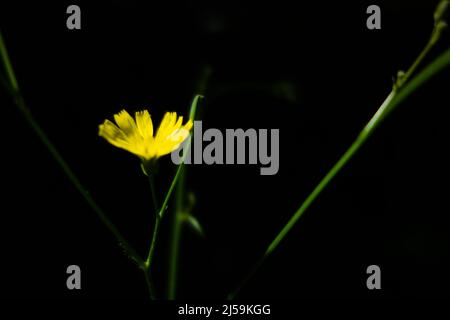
(402, 88)
(14, 90)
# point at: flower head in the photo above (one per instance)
(136, 136)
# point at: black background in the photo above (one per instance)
(311, 69)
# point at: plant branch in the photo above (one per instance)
(19, 101)
(401, 91)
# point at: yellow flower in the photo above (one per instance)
(137, 136)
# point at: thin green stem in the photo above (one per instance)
(403, 79)
(396, 96)
(175, 236)
(150, 286)
(151, 251)
(356, 145)
(174, 182)
(8, 66)
(362, 137)
(192, 111)
(159, 212)
(153, 191)
(149, 260)
(434, 38)
(20, 103)
(176, 223)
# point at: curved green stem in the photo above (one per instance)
(159, 212)
(397, 95)
(8, 66)
(151, 181)
(147, 264)
(151, 251)
(175, 237)
(20, 103)
(176, 223)
(192, 111)
(150, 286)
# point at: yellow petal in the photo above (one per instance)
(178, 124)
(136, 136)
(164, 127)
(144, 124)
(173, 120)
(173, 140)
(126, 123)
(113, 135)
(188, 125)
(180, 134)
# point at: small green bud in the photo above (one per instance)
(442, 13)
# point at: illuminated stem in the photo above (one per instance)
(151, 251)
(14, 90)
(402, 89)
(150, 286)
(177, 223)
(159, 212)
(175, 236)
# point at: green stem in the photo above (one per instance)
(159, 212)
(192, 111)
(416, 63)
(8, 66)
(151, 251)
(150, 286)
(20, 103)
(176, 225)
(434, 38)
(356, 145)
(147, 264)
(397, 95)
(175, 237)
(153, 191)
(362, 137)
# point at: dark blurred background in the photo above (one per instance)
(311, 69)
